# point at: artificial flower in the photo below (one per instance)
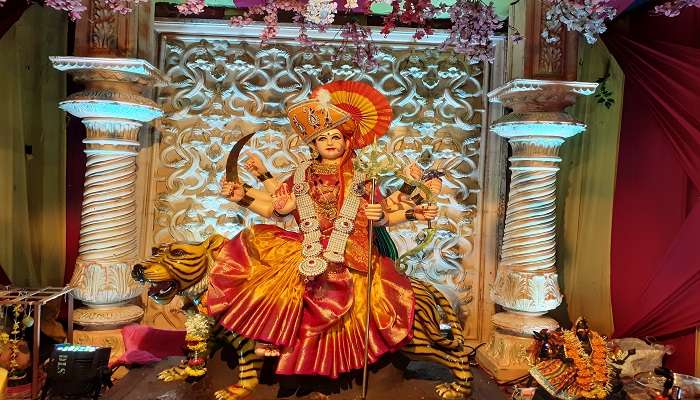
(674, 7)
(473, 25)
(584, 16)
(321, 12)
(191, 7)
(75, 8)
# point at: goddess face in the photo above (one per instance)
(331, 145)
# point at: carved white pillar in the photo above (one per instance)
(526, 281)
(113, 110)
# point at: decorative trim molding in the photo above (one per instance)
(525, 85)
(218, 29)
(113, 316)
(133, 66)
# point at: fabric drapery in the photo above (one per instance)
(255, 289)
(32, 150)
(586, 192)
(655, 276)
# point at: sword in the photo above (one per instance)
(232, 159)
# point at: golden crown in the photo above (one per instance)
(312, 117)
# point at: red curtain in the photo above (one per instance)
(655, 252)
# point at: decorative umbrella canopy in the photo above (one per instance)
(369, 109)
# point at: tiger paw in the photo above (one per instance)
(176, 373)
(266, 350)
(233, 392)
(452, 391)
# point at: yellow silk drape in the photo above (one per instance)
(586, 190)
(32, 186)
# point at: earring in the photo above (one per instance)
(314, 154)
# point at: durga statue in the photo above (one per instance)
(303, 296)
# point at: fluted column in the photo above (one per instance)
(526, 281)
(112, 110)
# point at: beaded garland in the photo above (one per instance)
(313, 264)
(198, 327)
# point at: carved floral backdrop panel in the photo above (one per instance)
(224, 88)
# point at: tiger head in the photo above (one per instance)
(175, 268)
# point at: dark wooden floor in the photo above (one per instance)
(414, 382)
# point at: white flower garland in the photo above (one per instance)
(314, 265)
(321, 12)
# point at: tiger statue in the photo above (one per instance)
(183, 269)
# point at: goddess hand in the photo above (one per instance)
(374, 212)
(426, 212)
(435, 185)
(283, 200)
(254, 164)
(232, 190)
(414, 171)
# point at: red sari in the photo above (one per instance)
(255, 289)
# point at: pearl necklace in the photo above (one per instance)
(313, 264)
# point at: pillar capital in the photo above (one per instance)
(553, 95)
(538, 108)
(113, 88)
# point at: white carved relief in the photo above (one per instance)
(103, 283)
(224, 88)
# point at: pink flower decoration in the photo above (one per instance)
(74, 7)
(473, 25)
(191, 7)
(269, 12)
(584, 16)
(674, 7)
(358, 46)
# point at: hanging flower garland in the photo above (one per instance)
(191, 7)
(418, 13)
(474, 22)
(122, 7)
(473, 25)
(74, 8)
(269, 11)
(584, 16)
(358, 45)
(674, 7)
(321, 12)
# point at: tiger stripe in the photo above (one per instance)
(428, 343)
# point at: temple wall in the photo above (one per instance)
(223, 85)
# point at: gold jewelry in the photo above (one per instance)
(245, 201)
(407, 188)
(324, 169)
(14, 374)
(410, 215)
(264, 176)
(418, 199)
(383, 220)
(314, 154)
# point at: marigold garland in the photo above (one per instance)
(592, 372)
